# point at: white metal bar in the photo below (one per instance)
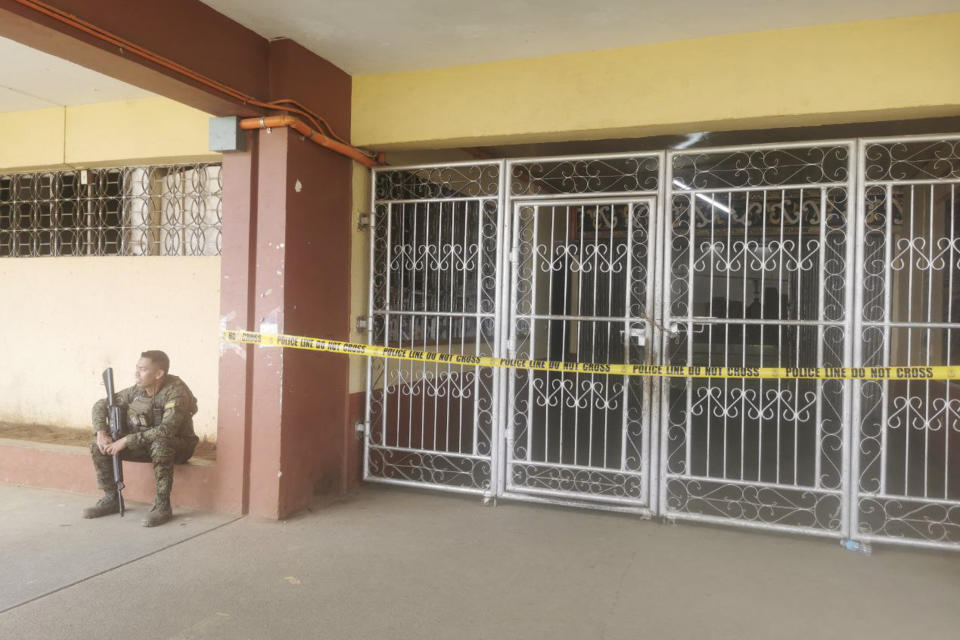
(765, 188)
(595, 504)
(780, 486)
(821, 281)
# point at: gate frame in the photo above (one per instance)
(498, 342)
(856, 412)
(657, 202)
(649, 410)
(852, 242)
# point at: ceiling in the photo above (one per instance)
(369, 36)
(374, 36)
(31, 79)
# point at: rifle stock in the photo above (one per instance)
(115, 417)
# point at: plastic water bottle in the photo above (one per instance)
(853, 545)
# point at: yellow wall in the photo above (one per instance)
(151, 130)
(66, 319)
(861, 71)
(359, 273)
(31, 138)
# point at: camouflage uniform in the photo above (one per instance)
(160, 430)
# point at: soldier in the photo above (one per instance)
(160, 411)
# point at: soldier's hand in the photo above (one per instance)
(103, 439)
(116, 447)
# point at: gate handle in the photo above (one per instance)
(675, 325)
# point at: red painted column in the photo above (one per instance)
(238, 244)
(266, 469)
(299, 411)
(299, 416)
(318, 304)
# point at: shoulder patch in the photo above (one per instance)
(170, 405)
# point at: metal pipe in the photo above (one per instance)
(304, 129)
(131, 47)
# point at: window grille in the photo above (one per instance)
(170, 210)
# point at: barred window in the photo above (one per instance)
(171, 210)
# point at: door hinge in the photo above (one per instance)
(511, 347)
(362, 324)
(514, 255)
(363, 221)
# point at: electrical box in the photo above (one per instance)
(225, 134)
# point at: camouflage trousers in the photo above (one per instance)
(162, 452)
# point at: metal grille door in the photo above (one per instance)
(581, 270)
(907, 453)
(581, 290)
(758, 259)
(829, 254)
(435, 283)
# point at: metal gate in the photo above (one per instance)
(581, 284)
(759, 247)
(906, 466)
(823, 254)
(581, 290)
(435, 268)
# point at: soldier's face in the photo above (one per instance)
(148, 374)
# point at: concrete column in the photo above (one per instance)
(299, 410)
(237, 294)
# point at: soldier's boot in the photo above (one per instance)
(160, 513)
(105, 506)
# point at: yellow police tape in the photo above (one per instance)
(667, 370)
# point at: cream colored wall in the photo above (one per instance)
(32, 138)
(104, 134)
(873, 70)
(359, 273)
(66, 319)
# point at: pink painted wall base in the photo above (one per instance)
(69, 468)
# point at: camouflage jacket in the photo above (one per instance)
(168, 413)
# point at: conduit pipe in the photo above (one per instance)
(331, 140)
(301, 127)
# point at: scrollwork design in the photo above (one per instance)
(566, 392)
(908, 411)
(875, 205)
(430, 468)
(639, 248)
(757, 256)
(490, 255)
(910, 519)
(721, 402)
(567, 257)
(753, 503)
(913, 160)
(912, 253)
(586, 482)
(585, 175)
(761, 167)
(447, 181)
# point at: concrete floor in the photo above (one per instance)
(391, 563)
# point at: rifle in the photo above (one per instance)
(115, 418)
